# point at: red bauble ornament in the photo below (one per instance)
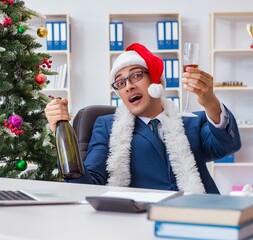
(40, 78)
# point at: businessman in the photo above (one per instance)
(146, 144)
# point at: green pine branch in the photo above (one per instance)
(21, 95)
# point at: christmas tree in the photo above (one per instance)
(24, 133)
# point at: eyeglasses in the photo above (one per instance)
(133, 78)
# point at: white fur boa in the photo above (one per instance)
(181, 158)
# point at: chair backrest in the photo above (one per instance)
(84, 121)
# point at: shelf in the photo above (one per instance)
(142, 17)
(233, 164)
(233, 51)
(232, 14)
(60, 85)
(54, 52)
(232, 61)
(174, 51)
(245, 126)
(233, 88)
(55, 89)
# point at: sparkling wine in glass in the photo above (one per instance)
(190, 59)
(250, 31)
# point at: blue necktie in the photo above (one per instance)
(154, 123)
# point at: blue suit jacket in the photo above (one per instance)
(147, 166)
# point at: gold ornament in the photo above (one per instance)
(42, 32)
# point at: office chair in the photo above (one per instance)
(83, 123)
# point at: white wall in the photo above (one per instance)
(89, 45)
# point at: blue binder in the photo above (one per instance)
(50, 35)
(227, 159)
(168, 35)
(63, 36)
(168, 73)
(56, 32)
(114, 101)
(175, 73)
(119, 36)
(175, 34)
(112, 33)
(160, 35)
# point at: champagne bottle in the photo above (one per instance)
(69, 158)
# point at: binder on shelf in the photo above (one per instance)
(160, 35)
(112, 36)
(50, 36)
(59, 79)
(175, 72)
(63, 36)
(119, 36)
(175, 100)
(227, 159)
(168, 72)
(175, 34)
(114, 101)
(56, 33)
(63, 76)
(56, 77)
(168, 35)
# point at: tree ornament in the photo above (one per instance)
(15, 120)
(13, 129)
(42, 32)
(21, 29)
(21, 165)
(40, 78)
(7, 21)
(45, 63)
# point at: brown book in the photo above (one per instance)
(204, 209)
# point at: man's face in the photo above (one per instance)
(135, 95)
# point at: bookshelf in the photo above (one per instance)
(232, 64)
(60, 85)
(141, 28)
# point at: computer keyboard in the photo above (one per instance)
(11, 195)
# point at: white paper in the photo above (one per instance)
(149, 197)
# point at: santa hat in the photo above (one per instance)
(137, 54)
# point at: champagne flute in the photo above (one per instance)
(250, 31)
(190, 59)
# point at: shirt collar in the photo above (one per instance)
(147, 119)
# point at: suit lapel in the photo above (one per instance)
(144, 130)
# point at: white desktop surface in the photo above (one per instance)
(70, 222)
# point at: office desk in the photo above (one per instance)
(70, 222)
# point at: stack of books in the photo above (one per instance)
(208, 216)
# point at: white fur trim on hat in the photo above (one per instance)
(155, 90)
(126, 59)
